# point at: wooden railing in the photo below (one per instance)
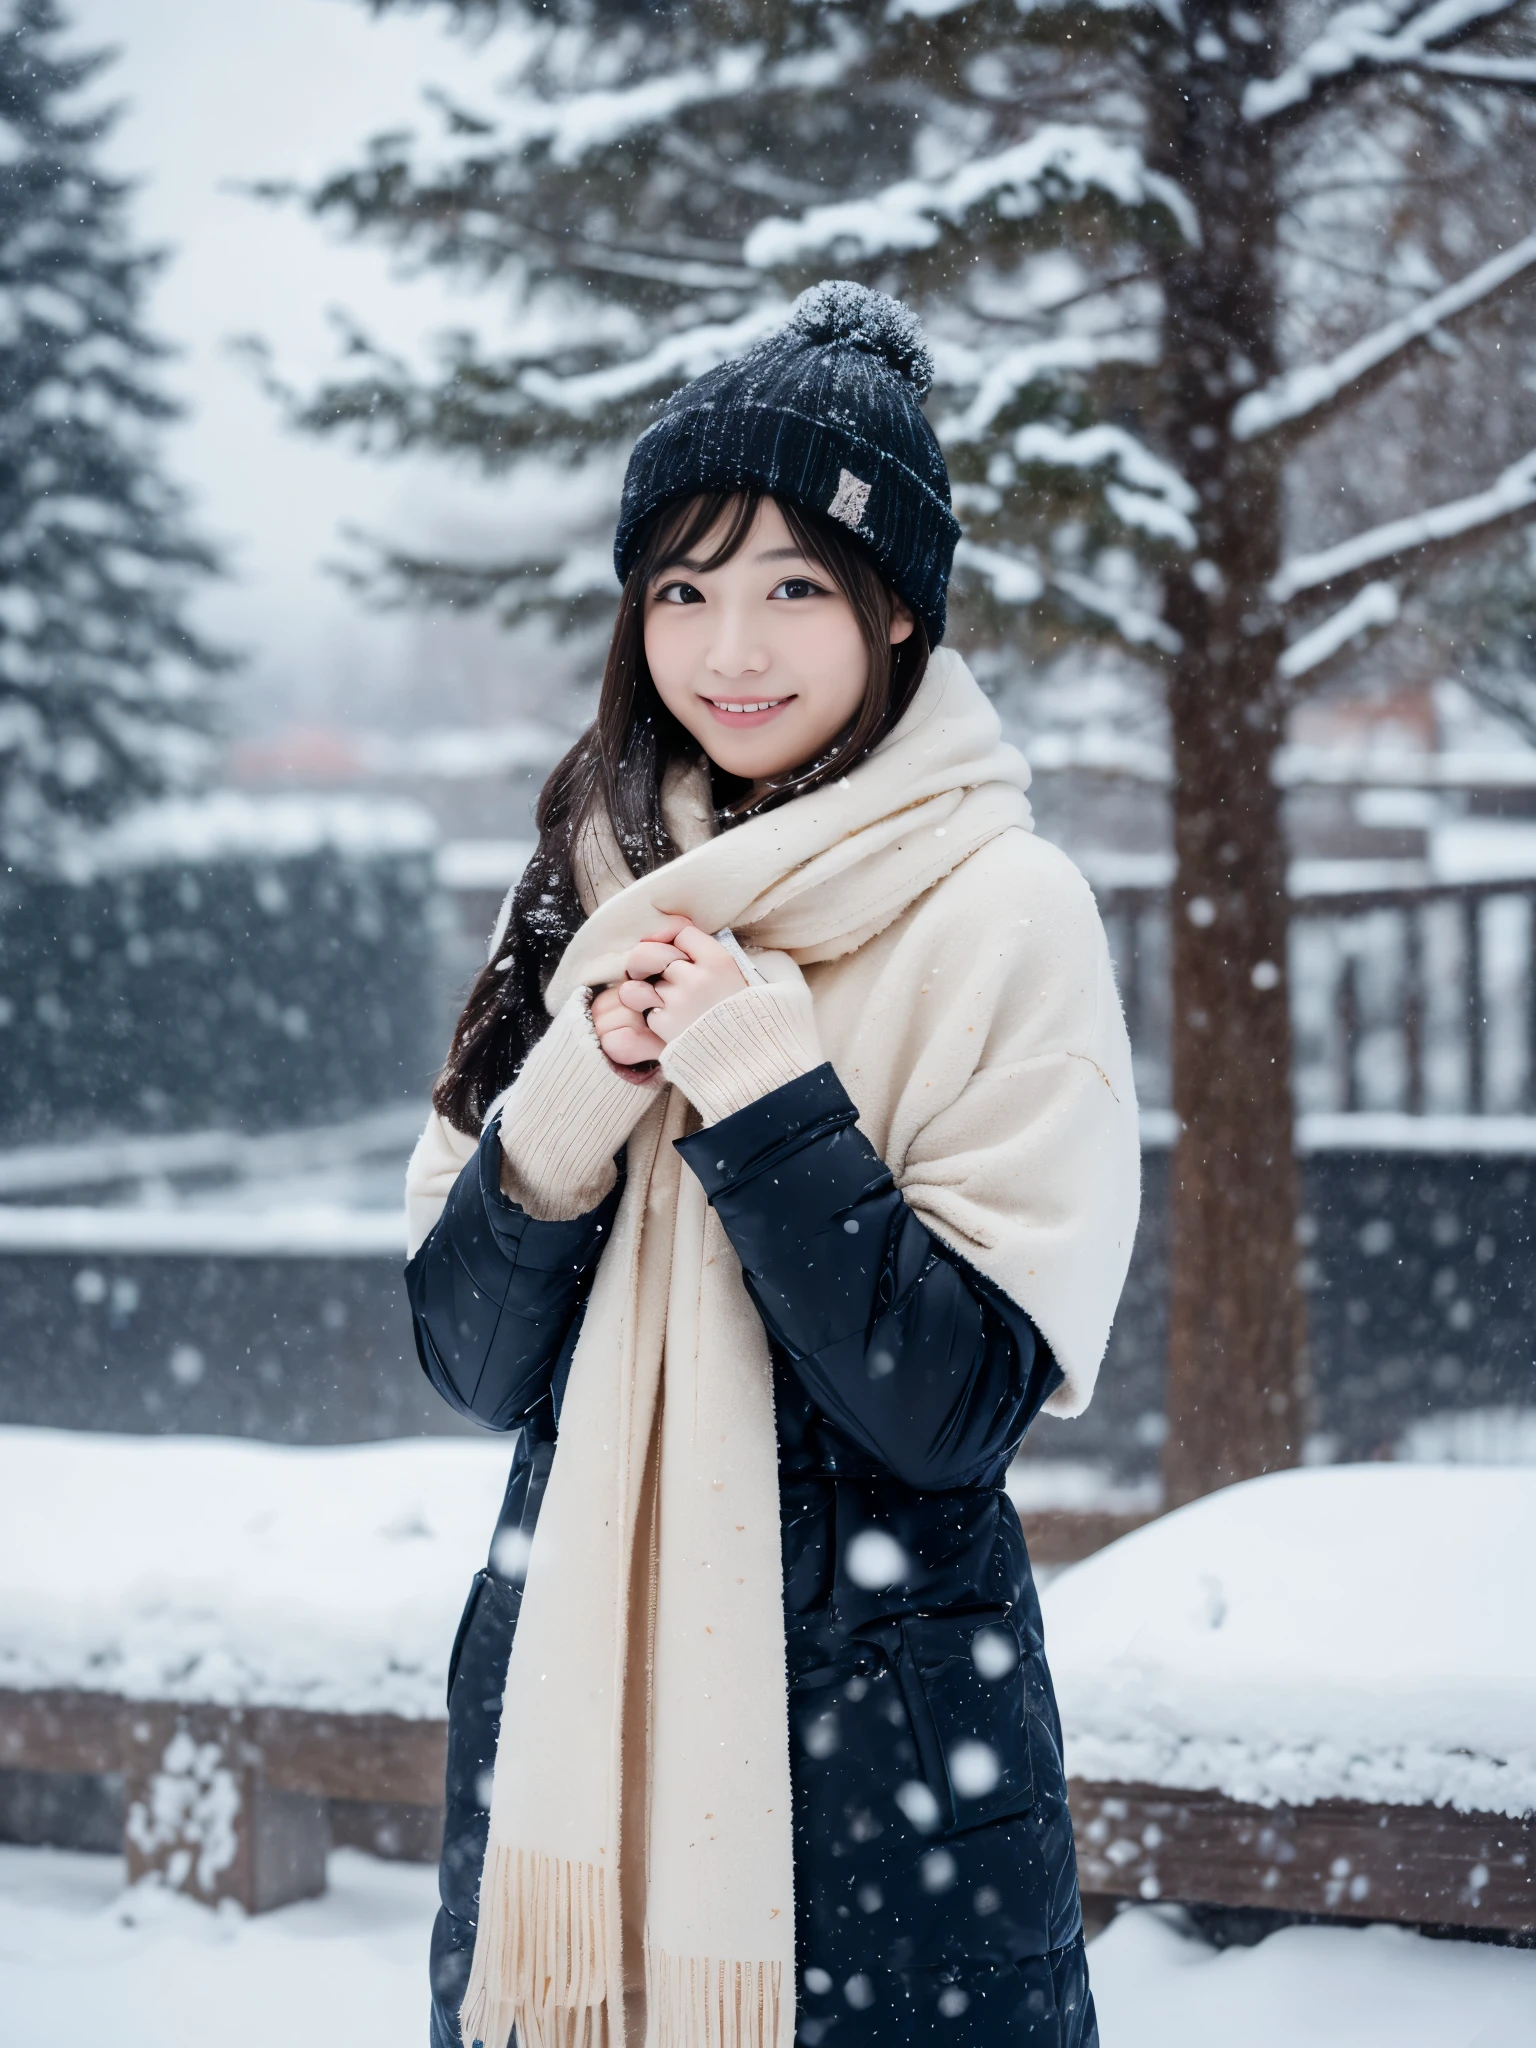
(1413, 997)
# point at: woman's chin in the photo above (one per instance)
(759, 756)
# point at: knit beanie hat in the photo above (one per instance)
(827, 415)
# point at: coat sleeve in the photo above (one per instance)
(497, 1296)
(923, 1362)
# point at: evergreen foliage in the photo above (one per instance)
(647, 189)
(102, 682)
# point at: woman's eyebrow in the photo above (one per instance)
(702, 568)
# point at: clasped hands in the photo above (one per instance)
(670, 979)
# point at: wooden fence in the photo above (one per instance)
(1412, 997)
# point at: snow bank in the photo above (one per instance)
(145, 1969)
(200, 1568)
(1156, 1984)
(83, 1960)
(1361, 1632)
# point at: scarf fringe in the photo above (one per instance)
(698, 2002)
(540, 1958)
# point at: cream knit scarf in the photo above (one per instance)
(640, 1839)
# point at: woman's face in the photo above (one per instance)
(761, 659)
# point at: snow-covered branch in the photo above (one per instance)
(1474, 70)
(1375, 605)
(1146, 493)
(1062, 162)
(573, 125)
(1020, 367)
(1130, 620)
(1441, 526)
(675, 360)
(1313, 387)
(1377, 35)
(1012, 579)
(1015, 579)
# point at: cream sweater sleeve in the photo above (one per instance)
(564, 1117)
(744, 1048)
(440, 1157)
(562, 1121)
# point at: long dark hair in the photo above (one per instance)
(619, 763)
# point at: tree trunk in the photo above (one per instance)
(1236, 1329)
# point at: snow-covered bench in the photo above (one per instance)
(245, 1632)
(1316, 1693)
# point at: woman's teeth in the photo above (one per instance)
(741, 710)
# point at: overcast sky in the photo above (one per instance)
(217, 93)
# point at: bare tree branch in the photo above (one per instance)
(1473, 70)
(1372, 607)
(1374, 35)
(1314, 390)
(1440, 530)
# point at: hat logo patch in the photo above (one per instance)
(849, 499)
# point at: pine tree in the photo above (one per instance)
(1191, 270)
(102, 690)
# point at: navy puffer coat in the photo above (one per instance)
(936, 1890)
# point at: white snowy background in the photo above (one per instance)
(214, 99)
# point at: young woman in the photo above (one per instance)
(783, 1168)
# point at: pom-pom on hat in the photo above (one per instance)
(826, 413)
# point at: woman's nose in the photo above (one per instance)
(737, 648)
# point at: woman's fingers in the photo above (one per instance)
(622, 1034)
(631, 1047)
(608, 1012)
(636, 996)
(699, 946)
(650, 958)
(672, 977)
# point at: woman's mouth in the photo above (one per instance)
(746, 710)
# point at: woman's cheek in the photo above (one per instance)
(670, 657)
(831, 667)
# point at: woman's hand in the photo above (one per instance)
(632, 1050)
(673, 977)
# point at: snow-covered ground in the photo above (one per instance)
(83, 1962)
(1364, 1632)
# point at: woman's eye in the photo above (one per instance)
(797, 586)
(679, 593)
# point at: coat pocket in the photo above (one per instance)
(962, 1678)
(476, 1588)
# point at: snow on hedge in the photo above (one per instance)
(1358, 1632)
(197, 1568)
(227, 824)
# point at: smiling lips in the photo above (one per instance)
(741, 711)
